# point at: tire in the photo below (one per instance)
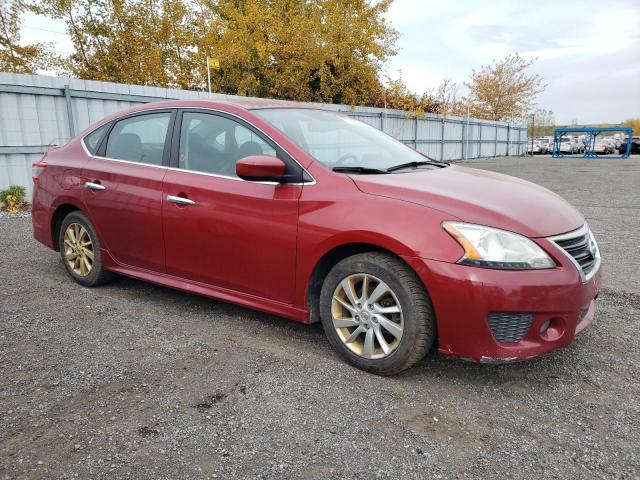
(88, 277)
(414, 314)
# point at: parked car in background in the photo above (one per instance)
(635, 145)
(604, 146)
(537, 147)
(569, 145)
(582, 144)
(547, 143)
(317, 217)
(614, 141)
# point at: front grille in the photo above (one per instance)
(509, 327)
(580, 249)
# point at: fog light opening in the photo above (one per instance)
(552, 329)
(545, 326)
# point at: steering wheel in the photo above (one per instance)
(343, 159)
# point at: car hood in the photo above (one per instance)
(481, 197)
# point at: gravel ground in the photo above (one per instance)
(139, 381)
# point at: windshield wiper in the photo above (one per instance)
(363, 170)
(435, 163)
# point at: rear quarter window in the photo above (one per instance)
(92, 141)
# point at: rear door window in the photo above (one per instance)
(139, 139)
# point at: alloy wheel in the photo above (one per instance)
(367, 316)
(78, 249)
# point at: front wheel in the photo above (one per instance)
(376, 313)
(80, 251)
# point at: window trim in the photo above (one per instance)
(101, 152)
(176, 110)
(104, 134)
(281, 153)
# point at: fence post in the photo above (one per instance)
(462, 138)
(70, 119)
(442, 140)
(415, 133)
(508, 139)
(519, 141)
(382, 120)
(495, 142)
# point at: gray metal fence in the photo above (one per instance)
(38, 111)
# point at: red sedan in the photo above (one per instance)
(314, 216)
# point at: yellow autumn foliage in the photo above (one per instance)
(504, 90)
(311, 50)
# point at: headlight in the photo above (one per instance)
(492, 248)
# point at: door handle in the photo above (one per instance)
(180, 200)
(94, 186)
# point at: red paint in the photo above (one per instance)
(257, 243)
(239, 235)
(482, 197)
(127, 214)
(464, 297)
(257, 167)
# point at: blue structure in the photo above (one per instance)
(591, 132)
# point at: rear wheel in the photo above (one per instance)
(376, 313)
(80, 251)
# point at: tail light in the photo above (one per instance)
(36, 170)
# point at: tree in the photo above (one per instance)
(634, 124)
(14, 57)
(398, 96)
(144, 42)
(543, 122)
(442, 100)
(321, 50)
(504, 90)
(311, 50)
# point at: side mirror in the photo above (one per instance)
(260, 168)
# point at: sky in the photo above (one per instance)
(587, 51)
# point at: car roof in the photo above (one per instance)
(233, 106)
(238, 103)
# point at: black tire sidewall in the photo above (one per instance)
(367, 264)
(94, 276)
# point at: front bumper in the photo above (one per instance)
(463, 297)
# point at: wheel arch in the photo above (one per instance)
(326, 262)
(58, 216)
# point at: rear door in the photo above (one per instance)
(124, 188)
(225, 231)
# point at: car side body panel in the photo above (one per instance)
(127, 213)
(237, 235)
(207, 290)
(336, 215)
(63, 184)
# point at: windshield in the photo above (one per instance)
(336, 140)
